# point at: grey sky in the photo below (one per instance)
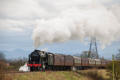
(18, 18)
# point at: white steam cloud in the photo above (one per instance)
(44, 49)
(24, 68)
(77, 19)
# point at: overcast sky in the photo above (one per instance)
(18, 19)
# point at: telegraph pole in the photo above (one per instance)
(113, 67)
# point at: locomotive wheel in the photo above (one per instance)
(43, 67)
(31, 69)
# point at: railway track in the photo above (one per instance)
(25, 72)
(15, 72)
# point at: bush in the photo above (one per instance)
(2, 70)
(15, 64)
(2, 66)
(116, 70)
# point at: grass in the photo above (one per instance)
(95, 74)
(60, 75)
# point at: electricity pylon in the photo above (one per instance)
(93, 52)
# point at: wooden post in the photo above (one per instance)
(113, 66)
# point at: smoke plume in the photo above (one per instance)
(77, 20)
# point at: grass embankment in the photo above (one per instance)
(60, 75)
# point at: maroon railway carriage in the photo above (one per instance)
(85, 61)
(58, 60)
(69, 61)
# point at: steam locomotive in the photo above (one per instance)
(41, 61)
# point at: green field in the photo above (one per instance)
(60, 75)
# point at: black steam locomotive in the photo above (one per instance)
(41, 61)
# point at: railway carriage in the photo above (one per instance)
(77, 61)
(92, 62)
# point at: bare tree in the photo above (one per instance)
(84, 54)
(118, 55)
(2, 56)
(2, 66)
